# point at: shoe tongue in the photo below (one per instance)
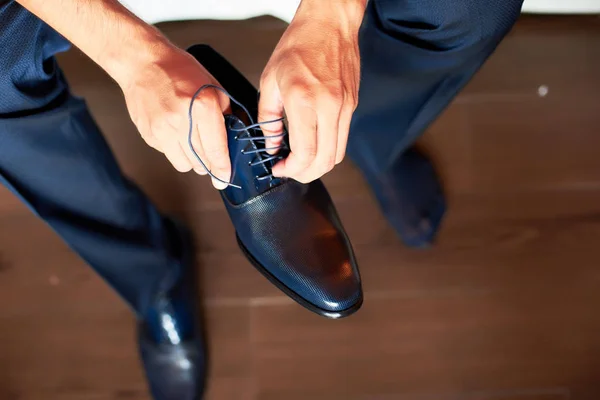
(243, 174)
(258, 133)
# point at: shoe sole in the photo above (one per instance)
(295, 296)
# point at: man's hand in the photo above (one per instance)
(158, 99)
(157, 78)
(313, 76)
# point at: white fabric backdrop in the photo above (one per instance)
(179, 10)
(154, 11)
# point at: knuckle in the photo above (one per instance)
(351, 101)
(152, 142)
(208, 100)
(304, 179)
(301, 92)
(163, 130)
(148, 136)
(332, 96)
(264, 78)
(307, 155)
(327, 165)
(172, 119)
(215, 152)
(217, 155)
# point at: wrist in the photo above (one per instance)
(348, 11)
(124, 60)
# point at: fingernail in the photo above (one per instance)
(200, 171)
(277, 173)
(218, 184)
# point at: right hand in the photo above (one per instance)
(158, 99)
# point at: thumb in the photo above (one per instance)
(270, 107)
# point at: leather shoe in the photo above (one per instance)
(289, 231)
(170, 341)
(409, 194)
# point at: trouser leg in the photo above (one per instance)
(416, 55)
(53, 156)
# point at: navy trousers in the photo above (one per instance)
(53, 156)
(416, 56)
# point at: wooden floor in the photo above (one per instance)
(504, 307)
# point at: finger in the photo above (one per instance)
(195, 153)
(153, 142)
(270, 108)
(176, 156)
(224, 101)
(213, 136)
(327, 138)
(343, 132)
(302, 121)
(148, 135)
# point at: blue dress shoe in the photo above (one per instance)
(409, 194)
(171, 344)
(289, 231)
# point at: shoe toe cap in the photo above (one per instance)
(336, 293)
(321, 274)
(174, 372)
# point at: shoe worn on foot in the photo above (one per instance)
(410, 195)
(170, 342)
(289, 231)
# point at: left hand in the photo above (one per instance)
(313, 76)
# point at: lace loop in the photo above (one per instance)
(263, 154)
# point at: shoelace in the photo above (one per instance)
(262, 153)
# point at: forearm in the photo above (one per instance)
(105, 31)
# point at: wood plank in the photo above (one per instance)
(231, 376)
(524, 394)
(429, 344)
(60, 354)
(559, 52)
(485, 243)
(81, 352)
(559, 150)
